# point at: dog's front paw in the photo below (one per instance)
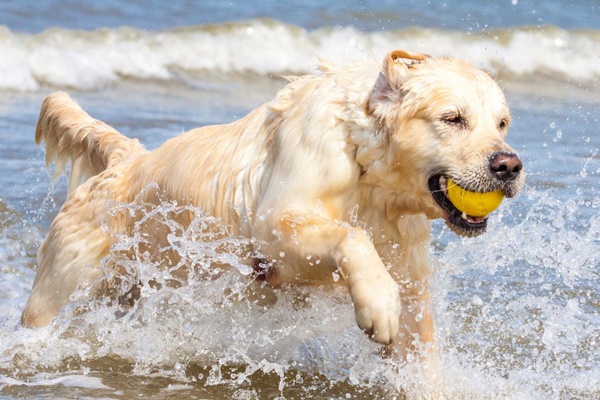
(377, 307)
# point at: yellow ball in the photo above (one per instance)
(473, 203)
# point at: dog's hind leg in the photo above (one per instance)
(69, 258)
(71, 253)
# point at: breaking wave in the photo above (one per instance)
(90, 59)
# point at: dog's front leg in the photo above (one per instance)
(408, 256)
(348, 249)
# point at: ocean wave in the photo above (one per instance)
(90, 59)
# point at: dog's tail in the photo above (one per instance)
(70, 134)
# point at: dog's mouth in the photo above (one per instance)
(459, 222)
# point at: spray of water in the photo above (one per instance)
(517, 314)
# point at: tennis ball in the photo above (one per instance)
(473, 203)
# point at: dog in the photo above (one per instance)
(347, 166)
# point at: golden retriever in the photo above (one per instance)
(346, 167)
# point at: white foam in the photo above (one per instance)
(84, 60)
(70, 380)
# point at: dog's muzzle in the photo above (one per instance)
(505, 173)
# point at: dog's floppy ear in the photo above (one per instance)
(394, 72)
(396, 65)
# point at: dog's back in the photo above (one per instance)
(216, 168)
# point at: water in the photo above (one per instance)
(517, 310)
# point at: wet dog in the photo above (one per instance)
(346, 167)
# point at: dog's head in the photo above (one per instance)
(442, 119)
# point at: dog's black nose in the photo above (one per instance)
(506, 166)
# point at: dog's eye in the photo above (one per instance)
(454, 119)
(502, 124)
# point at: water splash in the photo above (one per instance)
(522, 301)
(517, 309)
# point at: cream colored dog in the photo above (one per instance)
(345, 167)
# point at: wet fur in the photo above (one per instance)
(334, 168)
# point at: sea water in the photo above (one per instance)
(517, 310)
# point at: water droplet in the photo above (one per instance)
(476, 300)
